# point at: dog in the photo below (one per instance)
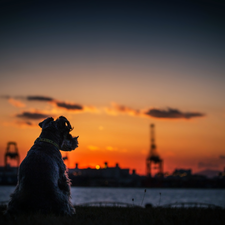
(43, 184)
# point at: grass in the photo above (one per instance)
(123, 216)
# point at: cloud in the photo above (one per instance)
(208, 165)
(69, 106)
(115, 109)
(171, 114)
(26, 124)
(93, 148)
(21, 124)
(60, 104)
(39, 98)
(32, 115)
(110, 148)
(16, 103)
(5, 96)
(222, 156)
(74, 107)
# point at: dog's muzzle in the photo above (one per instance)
(69, 145)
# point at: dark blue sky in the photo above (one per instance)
(180, 41)
(165, 27)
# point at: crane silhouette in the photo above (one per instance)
(12, 154)
(153, 157)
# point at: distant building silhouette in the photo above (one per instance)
(106, 172)
(182, 172)
(106, 176)
(8, 175)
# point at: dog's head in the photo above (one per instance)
(61, 127)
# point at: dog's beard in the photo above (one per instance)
(69, 145)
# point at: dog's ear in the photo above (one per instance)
(45, 122)
(63, 124)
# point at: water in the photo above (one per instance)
(89, 194)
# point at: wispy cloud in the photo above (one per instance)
(21, 124)
(110, 148)
(169, 113)
(39, 98)
(32, 115)
(5, 96)
(68, 106)
(114, 109)
(16, 103)
(27, 119)
(172, 114)
(92, 147)
(29, 97)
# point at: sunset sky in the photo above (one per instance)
(113, 68)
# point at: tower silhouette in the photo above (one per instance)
(12, 154)
(153, 157)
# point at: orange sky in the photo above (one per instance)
(122, 137)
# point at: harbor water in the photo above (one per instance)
(154, 196)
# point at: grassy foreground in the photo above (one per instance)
(123, 216)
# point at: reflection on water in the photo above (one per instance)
(89, 194)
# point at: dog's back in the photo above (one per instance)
(38, 182)
(39, 171)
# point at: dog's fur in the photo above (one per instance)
(43, 184)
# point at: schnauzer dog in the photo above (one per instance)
(43, 184)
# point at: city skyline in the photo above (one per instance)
(113, 69)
